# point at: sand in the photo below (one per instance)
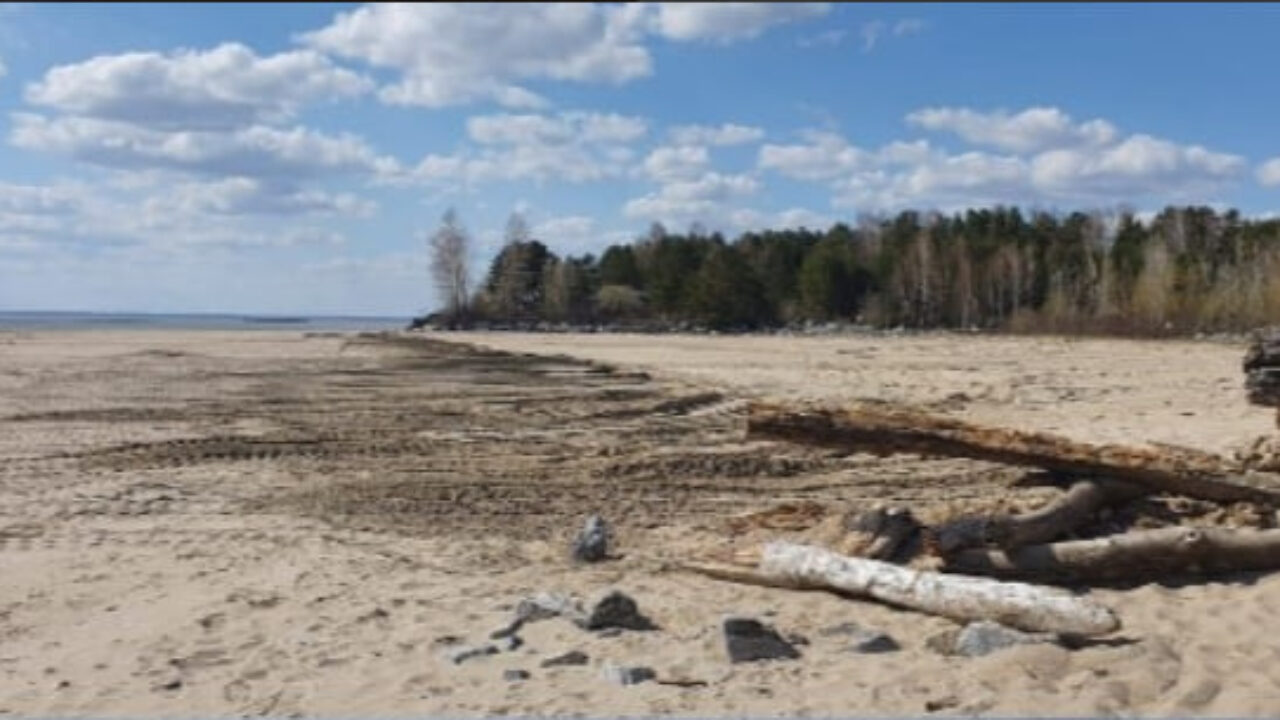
(274, 523)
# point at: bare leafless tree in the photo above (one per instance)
(449, 263)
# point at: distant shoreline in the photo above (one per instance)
(62, 320)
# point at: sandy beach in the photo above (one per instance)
(280, 523)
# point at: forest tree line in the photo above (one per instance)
(1186, 270)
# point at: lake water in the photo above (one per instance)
(148, 321)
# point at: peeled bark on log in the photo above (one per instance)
(1074, 508)
(1133, 555)
(882, 430)
(1018, 605)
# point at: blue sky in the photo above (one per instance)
(293, 158)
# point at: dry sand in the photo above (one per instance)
(269, 523)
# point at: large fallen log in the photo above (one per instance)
(1130, 556)
(883, 430)
(1072, 509)
(1262, 370)
(1026, 607)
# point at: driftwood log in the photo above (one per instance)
(1262, 370)
(885, 430)
(879, 533)
(1074, 508)
(1134, 555)
(1026, 607)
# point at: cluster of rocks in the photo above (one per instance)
(746, 639)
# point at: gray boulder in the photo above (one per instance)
(984, 637)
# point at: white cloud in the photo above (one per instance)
(568, 147)
(565, 128)
(726, 134)
(826, 38)
(825, 156)
(727, 22)
(708, 199)
(1269, 172)
(36, 199)
(674, 163)
(459, 53)
(455, 53)
(1032, 130)
(570, 234)
(248, 196)
(1049, 160)
(255, 151)
(226, 87)
(3, 69)
(1140, 164)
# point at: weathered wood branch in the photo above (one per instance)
(1069, 511)
(1027, 607)
(881, 430)
(1133, 555)
(878, 533)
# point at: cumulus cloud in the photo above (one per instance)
(709, 198)
(451, 53)
(1046, 158)
(1269, 172)
(727, 22)
(226, 87)
(825, 156)
(459, 53)
(1032, 130)
(1139, 164)
(569, 147)
(679, 162)
(255, 151)
(249, 196)
(726, 134)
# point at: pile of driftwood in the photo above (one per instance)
(984, 560)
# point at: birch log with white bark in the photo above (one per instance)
(1018, 605)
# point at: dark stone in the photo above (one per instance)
(862, 640)
(748, 640)
(573, 657)
(461, 655)
(871, 642)
(515, 675)
(616, 610)
(627, 675)
(592, 542)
